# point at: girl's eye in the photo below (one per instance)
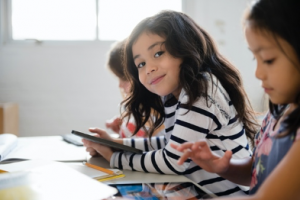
(142, 64)
(158, 54)
(269, 62)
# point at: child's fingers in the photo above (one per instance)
(85, 142)
(186, 151)
(108, 125)
(116, 129)
(200, 144)
(227, 156)
(96, 130)
(98, 148)
(174, 146)
(182, 147)
(186, 154)
(91, 151)
(117, 122)
(100, 133)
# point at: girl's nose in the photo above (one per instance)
(151, 68)
(259, 72)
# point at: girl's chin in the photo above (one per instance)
(277, 102)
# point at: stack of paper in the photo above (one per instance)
(79, 167)
(51, 180)
(54, 148)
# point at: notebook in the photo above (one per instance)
(55, 148)
(51, 180)
(79, 167)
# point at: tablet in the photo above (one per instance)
(156, 191)
(107, 142)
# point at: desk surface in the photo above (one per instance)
(130, 176)
(142, 177)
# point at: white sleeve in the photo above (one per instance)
(145, 144)
(189, 127)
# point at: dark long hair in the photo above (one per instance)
(185, 40)
(281, 19)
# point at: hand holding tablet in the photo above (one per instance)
(107, 142)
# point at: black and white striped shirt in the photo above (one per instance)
(214, 120)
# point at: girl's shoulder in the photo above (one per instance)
(267, 119)
(217, 101)
(217, 96)
(266, 127)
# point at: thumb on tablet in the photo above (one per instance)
(100, 133)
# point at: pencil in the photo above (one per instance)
(99, 168)
(110, 178)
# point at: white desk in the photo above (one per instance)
(130, 176)
(142, 177)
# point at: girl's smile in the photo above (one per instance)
(156, 80)
(158, 69)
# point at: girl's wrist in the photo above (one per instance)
(118, 140)
(108, 156)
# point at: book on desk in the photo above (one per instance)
(13, 148)
(49, 180)
(52, 148)
(77, 166)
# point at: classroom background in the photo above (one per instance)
(61, 85)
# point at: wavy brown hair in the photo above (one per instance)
(185, 40)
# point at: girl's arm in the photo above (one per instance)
(283, 182)
(145, 144)
(140, 143)
(239, 171)
(235, 170)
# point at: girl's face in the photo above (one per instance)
(278, 66)
(158, 70)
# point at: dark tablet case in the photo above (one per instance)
(107, 142)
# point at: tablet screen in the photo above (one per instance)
(157, 191)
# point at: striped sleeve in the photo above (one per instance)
(145, 144)
(189, 127)
(212, 118)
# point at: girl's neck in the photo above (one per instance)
(177, 92)
(290, 108)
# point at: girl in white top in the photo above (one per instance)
(178, 76)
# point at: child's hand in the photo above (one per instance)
(95, 148)
(114, 124)
(201, 154)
